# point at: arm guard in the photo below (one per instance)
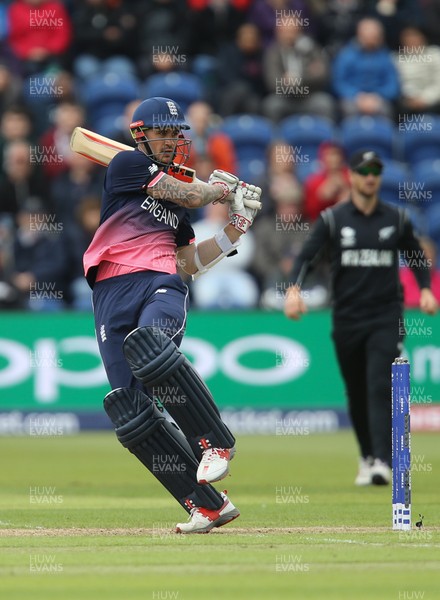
(224, 244)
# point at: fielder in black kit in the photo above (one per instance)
(363, 237)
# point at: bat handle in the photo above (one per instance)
(255, 204)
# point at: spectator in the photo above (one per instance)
(80, 233)
(229, 285)
(330, 185)
(296, 73)
(430, 11)
(214, 23)
(10, 88)
(419, 69)
(22, 179)
(208, 141)
(103, 29)
(279, 237)
(15, 124)
(393, 15)
(281, 166)
(364, 76)
(9, 297)
(122, 133)
(336, 24)
(280, 159)
(55, 143)
(411, 291)
(268, 15)
(40, 259)
(39, 33)
(240, 73)
(83, 178)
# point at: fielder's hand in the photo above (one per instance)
(428, 303)
(294, 305)
(241, 213)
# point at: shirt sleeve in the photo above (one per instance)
(130, 171)
(313, 247)
(412, 253)
(185, 234)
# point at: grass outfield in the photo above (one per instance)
(81, 519)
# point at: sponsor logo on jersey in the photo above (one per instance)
(348, 236)
(160, 212)
(367, 257)
(153, 168)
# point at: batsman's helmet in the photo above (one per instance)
(158, 113)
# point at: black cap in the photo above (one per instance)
(362, 158)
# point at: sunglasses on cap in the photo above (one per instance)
(370, 170)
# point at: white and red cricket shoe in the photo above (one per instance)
(202, 520)
(214, 465)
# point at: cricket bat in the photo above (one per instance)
(101, 149)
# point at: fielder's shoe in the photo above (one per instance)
(364, 473)
(202, 520)
(380, 473)
(214, 465)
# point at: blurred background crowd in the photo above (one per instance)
(280, 92)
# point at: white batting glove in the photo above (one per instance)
(242, 215)
(226, 180)
(251, 195)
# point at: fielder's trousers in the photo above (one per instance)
(365, 354)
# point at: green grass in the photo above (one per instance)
(305, 530)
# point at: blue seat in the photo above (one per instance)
(420, 138)
(304, 170)
(394, 183)
(367, 132)
(253, 170)
(426, 189)
(433, 223)
(183, 88)
(109, 125)
(108, 94)
(307, 132)
(250, 134)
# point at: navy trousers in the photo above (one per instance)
(126, 302)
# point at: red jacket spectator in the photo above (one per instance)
(330, 185)
(411, 290)
(201, 4)
(38, 29)
(207, 141)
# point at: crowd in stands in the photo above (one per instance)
(280, 92)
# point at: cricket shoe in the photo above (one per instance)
(202, 520)
(214, 465)
(363, 476)
(380, 473)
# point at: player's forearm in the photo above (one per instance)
(207, 252)
(189, 195)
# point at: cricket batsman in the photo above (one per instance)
(140, 308)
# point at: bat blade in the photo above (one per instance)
(95, 147)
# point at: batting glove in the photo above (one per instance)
(241, 213)
(226, 180)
